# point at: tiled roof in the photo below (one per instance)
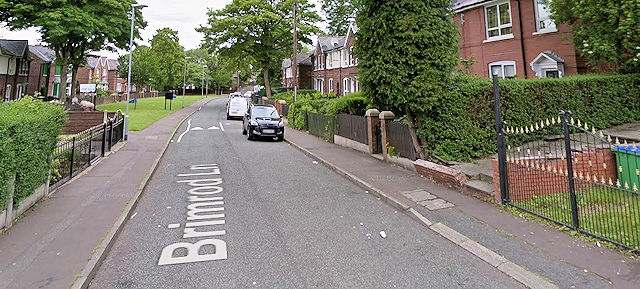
(13, 47)
(331, 42)
(303, 59)
(45, 53)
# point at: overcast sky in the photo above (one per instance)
(180, 15)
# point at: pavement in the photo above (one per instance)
(61, 242)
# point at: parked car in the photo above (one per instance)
(237, 107)
(263, 120)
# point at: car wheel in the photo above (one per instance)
(281, 137)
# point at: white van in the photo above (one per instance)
(237, 107)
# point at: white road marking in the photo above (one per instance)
(214, 127)
(186, 131)
(173, 226)
(221, 127)
(197, 128)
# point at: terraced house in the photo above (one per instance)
(515, 38)
(14, 69)
(335, 67)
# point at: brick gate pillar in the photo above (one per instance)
(385, 117)
(372, 122)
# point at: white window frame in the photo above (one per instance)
(7, 93)
(502, 65)
(330, 84)
(346, 83)
(542, 16)
(500, 26)
(351, 60)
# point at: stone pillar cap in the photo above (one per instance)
(387, 115)
(372, 112)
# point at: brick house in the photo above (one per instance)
(515, 38)
(14, 68)
(41, 70)
(103, 72)
(335, 66)
(305, 71)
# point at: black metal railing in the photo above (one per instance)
(567, 172)
(76, 153)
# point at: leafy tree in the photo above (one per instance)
(258, 32)
(406, 49)
(170, 56)
(603, 30)
(339, 13)
(73, 29)
(144, 68)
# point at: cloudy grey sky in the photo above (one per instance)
(180, 15)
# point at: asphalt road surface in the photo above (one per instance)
(221, 211)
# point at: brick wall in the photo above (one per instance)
(78, 121)
(472, 30)
(527, 178)
(440, 173)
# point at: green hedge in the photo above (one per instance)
(462, 126)
(353, 103)
(29, 129)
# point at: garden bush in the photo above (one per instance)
(461, 126)
(29, 130)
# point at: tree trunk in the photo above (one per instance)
(74, 76)
(267, 86)
(414, 135)
(63, 80)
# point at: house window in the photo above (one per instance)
(544, 23)
(7, 94)
(330, 84)
(345, 58)
(45, 69)
(504, 69)
(330, 60)
(498, 20)
(58, 70)
(346, 84)
(56, 90)
(351, 55)
(24, 67)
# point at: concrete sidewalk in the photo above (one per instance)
(64, 238)
(538, 256)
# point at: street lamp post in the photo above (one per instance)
(184, 78)
(202, 87)
(238, 80)
(126, 114)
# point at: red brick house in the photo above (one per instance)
(305, 72)
(14, 69)
(41, 70)
(335, 66)
(103, 72)
(514, 38)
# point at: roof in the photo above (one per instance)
(463, 5)
(111, 64)
(13, 47)
(303, 59)
(45, 53)
(328, 43)
(547, 55)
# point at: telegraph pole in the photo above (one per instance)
(294, 62)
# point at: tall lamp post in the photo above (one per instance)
(126, 114)
(184, 78)
(202, 87)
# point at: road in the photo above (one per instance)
(221, 211)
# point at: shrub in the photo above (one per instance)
(29, 132)
(462, 125)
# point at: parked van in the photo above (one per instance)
(237, 107)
